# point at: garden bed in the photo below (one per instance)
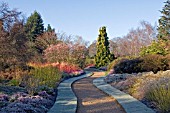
(151, 89)
(17, 99)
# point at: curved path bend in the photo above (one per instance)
(66, 101)
(92, 100)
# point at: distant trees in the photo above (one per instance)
(92, 49)
(131, 44)
(79, 51)
(103, 55)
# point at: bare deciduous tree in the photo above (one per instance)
(8, 16)
(131, 44)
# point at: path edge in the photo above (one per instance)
(64, 103)
(128, 103)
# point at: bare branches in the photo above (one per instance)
(8, 16)
(135, 40)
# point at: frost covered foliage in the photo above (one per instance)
(24, 103)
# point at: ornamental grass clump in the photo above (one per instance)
(159, 92)
(42, 76)
(47, 75)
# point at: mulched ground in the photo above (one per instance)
(92, 100)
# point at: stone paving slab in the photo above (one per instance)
(130, 104)
(66, 101)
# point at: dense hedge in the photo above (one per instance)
(154, 63)
(147, 63)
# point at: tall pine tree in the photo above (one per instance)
(164, 23)
(34, 26)
(103, 55)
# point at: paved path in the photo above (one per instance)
(130, 104)
(92, 100)
(66, 101)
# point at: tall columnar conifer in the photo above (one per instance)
(164, 23)
(103, 55)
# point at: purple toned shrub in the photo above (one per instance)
(17, 95)
(36, 101)
(4, 100)
(48, 90)
(18, 107)
(4, 97)
(44, 94)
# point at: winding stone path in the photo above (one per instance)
(92, 100)
(130, 104)
(93, 95)
(66, 101)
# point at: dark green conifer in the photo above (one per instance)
(34, 26)
(49, 28)
(103, 55)
(164, 23)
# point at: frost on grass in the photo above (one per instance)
(24, 103)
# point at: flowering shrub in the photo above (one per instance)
(57, 53)
(69, 53)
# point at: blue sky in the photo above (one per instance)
(85, 17)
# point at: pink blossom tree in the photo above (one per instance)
(57, 53)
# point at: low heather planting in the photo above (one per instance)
(23, 103)
(152, 89)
